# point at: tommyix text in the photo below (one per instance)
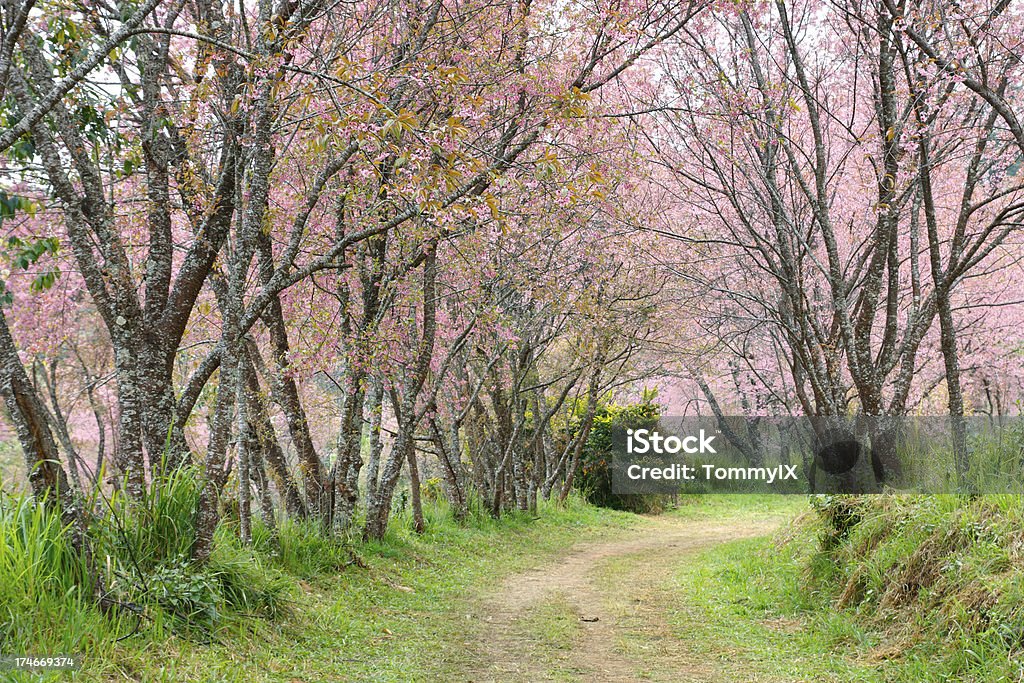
(644, 442)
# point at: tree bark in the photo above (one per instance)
(46, 474)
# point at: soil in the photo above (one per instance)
(618, 591)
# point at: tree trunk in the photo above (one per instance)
(286, 395)
(270, 448)
(588, 421)
(414, 484)
(379, 509)
(348, 461)
(448, 454)
(216, 459)
(947, 342)
(242, 441)
(376, 408)
(46, 474)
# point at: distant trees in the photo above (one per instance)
(846, 186)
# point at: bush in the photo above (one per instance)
(185, 592)
(595, 475)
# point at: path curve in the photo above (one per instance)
(609, 608)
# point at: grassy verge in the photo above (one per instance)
(400, 609)
(744, 607)
(877, 588)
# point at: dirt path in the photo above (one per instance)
(597, 613)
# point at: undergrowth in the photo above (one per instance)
(142, 610)
(136, 576)
(877, 588)
(941, 578)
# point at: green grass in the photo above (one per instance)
(738, 505)
(859, 589)
(554, 629)
(309, 609)
(743, 605)
(925, 588)
(554, 625)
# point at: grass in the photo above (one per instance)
(738, 506)
(875, 588)
(554, 630)
(753, 613)
(924, 588)
(309, 609)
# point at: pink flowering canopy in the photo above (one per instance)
(317, 249)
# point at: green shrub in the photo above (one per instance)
(595, 476)
(187, 593)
